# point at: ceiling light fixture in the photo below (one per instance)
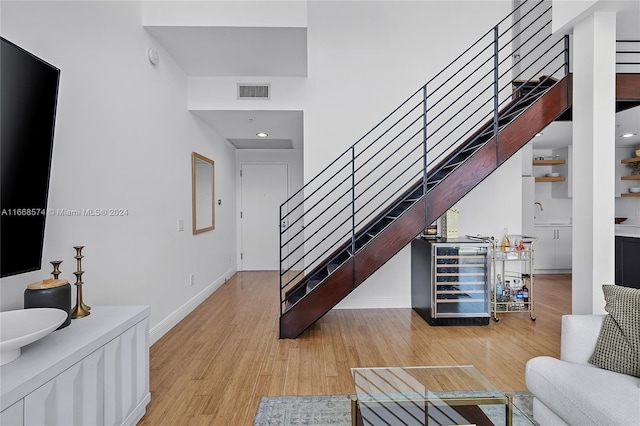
(539, 134)
(628, 135)
(261, 135)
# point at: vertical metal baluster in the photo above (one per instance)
(281, 263)
(566, 54)
(495, 92)
(424, 152)
(353, 214)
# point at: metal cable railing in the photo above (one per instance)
(459, 109)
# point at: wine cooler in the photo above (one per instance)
(450, 281)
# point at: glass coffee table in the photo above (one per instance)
(450, 395)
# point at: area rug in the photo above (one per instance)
(330, 410)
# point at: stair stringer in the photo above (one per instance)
(628, 87)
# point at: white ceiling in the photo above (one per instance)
(240, 127)
(236, 51)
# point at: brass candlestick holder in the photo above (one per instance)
(79, 257)
(81, 309)
(56, 268)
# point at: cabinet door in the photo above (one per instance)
(544, 249)
(13, 415)
(564, 237)
(74, 397)
(126, 367)
(630, 265)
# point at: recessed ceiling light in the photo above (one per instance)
(539, 134)
(628, 135)
(261, 135)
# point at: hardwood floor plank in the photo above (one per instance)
(215, 365)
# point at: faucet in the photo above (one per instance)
(540, 205)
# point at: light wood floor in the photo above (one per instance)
(213, 367)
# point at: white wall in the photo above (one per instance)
(123, 140)
(628, 207)
(359, 72)
(565, 13)
(220, 93)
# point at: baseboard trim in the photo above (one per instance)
(179, 314)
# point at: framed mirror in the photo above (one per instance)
(202, 193)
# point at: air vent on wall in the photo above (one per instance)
(254, 91)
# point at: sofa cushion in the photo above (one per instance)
(579, 337)
(582, 394)
(618, 345)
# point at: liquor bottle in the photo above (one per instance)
(509, 295)
(505, 240)
(499, 289)
(525, 295)
(519, 298)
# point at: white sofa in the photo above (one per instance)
(570, 391)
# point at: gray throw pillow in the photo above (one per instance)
(618, 345)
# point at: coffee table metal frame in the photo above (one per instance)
(435, 397)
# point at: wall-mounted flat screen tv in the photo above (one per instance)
(29, 93)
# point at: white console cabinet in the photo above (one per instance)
(93, 372)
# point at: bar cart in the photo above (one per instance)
(512, 276)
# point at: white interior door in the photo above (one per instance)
(263, 190)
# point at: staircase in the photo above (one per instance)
(426, 155)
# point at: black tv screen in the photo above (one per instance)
(29, 92)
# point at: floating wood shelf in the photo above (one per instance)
(550, 179)
(630, 160)
(631, 177)
(548, 162)
(631, 194)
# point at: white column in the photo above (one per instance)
(594, 160)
